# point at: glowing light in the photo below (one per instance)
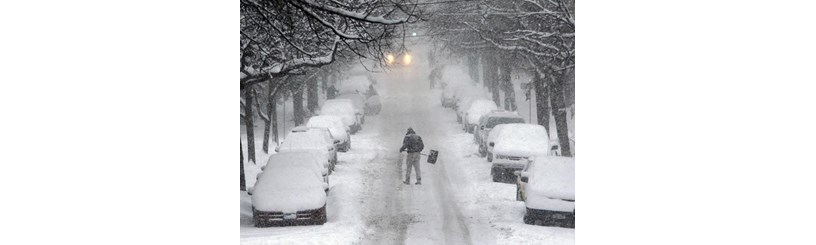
(389, 59)
(406, 59)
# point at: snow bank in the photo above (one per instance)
(288, 190)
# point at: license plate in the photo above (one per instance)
(290, 216)
(559, 216)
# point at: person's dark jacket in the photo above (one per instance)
(412, 142)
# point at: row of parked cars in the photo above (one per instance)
(520, 153)
(294, 183)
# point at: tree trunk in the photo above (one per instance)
(311, 93)
(273, 115)
(560, 113)
(324, 81)
(473, 67)
(297, 104)
(542, 101)
(507, 86)
(248, 123)
(493, 66)
(243, 179)
(270, 108)
(485, 70)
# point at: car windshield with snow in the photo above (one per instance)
(515, 144)
(475, 111)
(344, 109)
(309, 140)
(490, 120)
(335, 126)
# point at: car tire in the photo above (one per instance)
(528, 219)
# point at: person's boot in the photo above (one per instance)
(419, 182)
(406, 182)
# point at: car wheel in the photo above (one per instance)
(528, 219)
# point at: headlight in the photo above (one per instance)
(389, 59)
(406, 59)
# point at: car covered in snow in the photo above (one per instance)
(513, 147)
(464, 104)
(547, 187)
(475, 111)
(338, 130)
(299, 140)
(490, 120)
(311, 159)
(289, 196)
(344, 109)
(447, 96)
(359, 102)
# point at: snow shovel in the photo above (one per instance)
(432, 157)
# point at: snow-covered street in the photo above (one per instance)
(457, 203)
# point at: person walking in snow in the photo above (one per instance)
(412, 143)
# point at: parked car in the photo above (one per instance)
(447, 97)
(464, 104)
(309, 140)
(486, 124)
(547, 187)
(289, 196)
(359, 102)
(344, 109)
(311, 159)
(513, 147)
(338, 130)
(476, 109)
(491, 140)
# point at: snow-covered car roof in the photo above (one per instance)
(288, 190)
(522, 140)
(494, 118)
(356, 99)
(337, 105)
(479, 108)
(466, 101)
(323, 133)
(311, 159)
(496, 131)
(552, 177)
(333, 123)
(304, 141)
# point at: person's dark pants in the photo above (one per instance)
(412, 160)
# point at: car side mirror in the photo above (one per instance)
(249, 191)
(492, 144)
(524, 179)
(481, 127)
